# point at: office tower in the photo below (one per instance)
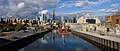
(48, 18)
(74, 20)
(53, 14)
(36, 18)
(41, 17)
(14, 20)
(1, 20)
(44, 18)
(62, 19)
(7, 20)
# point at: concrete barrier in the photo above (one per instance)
(18, 44)
(103, 44)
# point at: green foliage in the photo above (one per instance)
(8, 26)
(19, 26)
(41, 27)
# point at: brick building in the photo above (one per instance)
(113, 20)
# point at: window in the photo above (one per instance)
(91, 21)
(117, 21)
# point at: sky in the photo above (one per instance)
(13, 8)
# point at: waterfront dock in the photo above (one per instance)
(106, 43)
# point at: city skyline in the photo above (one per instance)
(59, 25)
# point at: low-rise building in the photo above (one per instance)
(94, 20)
(114, 20)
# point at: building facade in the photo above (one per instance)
(114, 20)
(53, 14)
(94, 20)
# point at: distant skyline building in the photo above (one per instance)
(1, 20)
(36, 18)
(70, 19)
(62, 18)
(7, 20)
(42, 17)
(53, 14)
(74, 20)
(48, 18)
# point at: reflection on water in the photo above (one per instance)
(56, 42)
(53, 39)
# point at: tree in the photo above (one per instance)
(19, 27)
(8, 27)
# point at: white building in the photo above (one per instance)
(81, 20)
(94, 20)
(62, 19)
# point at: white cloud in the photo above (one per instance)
(83, 3)
(115, 10)
(111, 10)
(42, 3)
(43, 12)
(114, 5)
(102, 1)
(88, 11)
(21, 5)
(82, 12)
(24, 7)
(89, 3)
(101, 10)
(65, 5)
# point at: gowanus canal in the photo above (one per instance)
(56, 42)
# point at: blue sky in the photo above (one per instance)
(11, 8)
(97, 7)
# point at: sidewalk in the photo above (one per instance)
(100, 36)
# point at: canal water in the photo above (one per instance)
(56, 42)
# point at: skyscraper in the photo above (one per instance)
(41, 17)
(1, 20)
(53, 14)
(74, 20)
(62, 19)
(48, 18)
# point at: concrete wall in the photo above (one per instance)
(18, 44)
(103, 44)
